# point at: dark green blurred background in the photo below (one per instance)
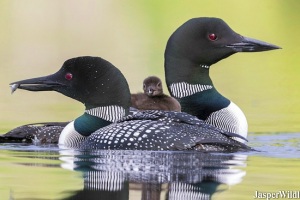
(36, 37)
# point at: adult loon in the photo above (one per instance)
(153, 97)
(190, 51)
(104, 91)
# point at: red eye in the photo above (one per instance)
(212, 37)
(68, 76)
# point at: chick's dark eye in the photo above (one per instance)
(68, 76)
(212, 36)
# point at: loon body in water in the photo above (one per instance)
(105, 124)
(40, 133)
(153, 97)
(190, 51)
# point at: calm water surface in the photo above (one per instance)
(47, 172)
(37, 36)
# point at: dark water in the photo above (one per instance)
(47, 172)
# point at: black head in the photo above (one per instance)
(91, 80)
(206, 41)
(152, 86)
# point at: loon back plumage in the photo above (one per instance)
(190, 51)
(162, 130)
(148, 130)
(47, 132)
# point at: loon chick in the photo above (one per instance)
(190, 51)
(104, 91)
(153, 97)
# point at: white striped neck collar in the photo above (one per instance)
(184, 89)
(110, 113)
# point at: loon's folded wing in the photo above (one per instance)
(47, 132)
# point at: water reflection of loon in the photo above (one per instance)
(175, 175)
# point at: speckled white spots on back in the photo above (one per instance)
(160, 130)
(39, 133)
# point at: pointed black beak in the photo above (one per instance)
(251, 45)
(45, 83)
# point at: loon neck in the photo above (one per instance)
(98, 117)
(183, 70)
(192, 86)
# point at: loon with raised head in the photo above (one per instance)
(153, 97)
(190, 51)
(104, 91)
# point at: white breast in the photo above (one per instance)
(231, 119)
(69, 137)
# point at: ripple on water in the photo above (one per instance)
(279, 145)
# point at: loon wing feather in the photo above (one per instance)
(46, 132)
